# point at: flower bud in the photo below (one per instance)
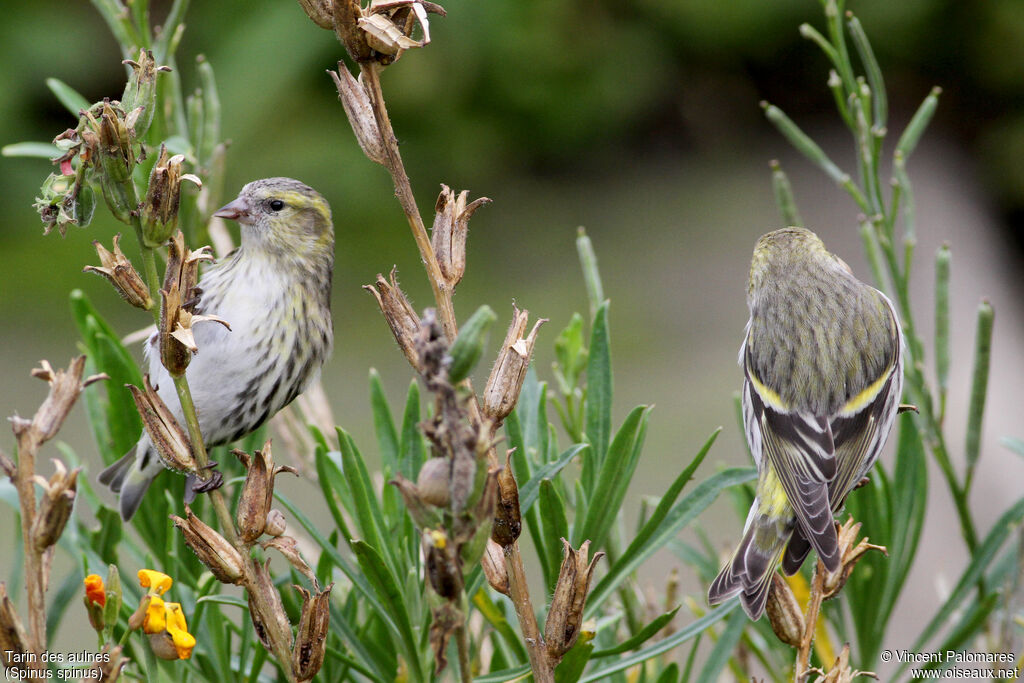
(311, 636)
(360, 113)
(159, 211)
(258, 491)
(114, 598)
(54, 506)
(117, 154)
(448, 235)
(120, 272)
(508, 523)
(506, 379)
(469, 345)
(434, 481)
(95, 599)
(784, 613)
(169, 439)
(65, 200)
(495, 571)
(140, 92)
(400, 316)
(211, 548)
(276, 523)
(566, 613)
(138, 618)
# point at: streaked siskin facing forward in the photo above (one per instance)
(823, 374)
(275, 291)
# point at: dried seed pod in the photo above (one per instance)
(784, 613)
(311, 636)
(257, 492)
(212, 549)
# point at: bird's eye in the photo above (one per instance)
(276, 205)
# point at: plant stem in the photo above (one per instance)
(462, 645)
(803, 656)
(403, 191)
(519, 592)
(34, 580)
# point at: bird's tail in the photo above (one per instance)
(130, 477)
(749, 572)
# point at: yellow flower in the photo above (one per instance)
(163, 622)
(156, 616)
(156, 582)
(178, 629)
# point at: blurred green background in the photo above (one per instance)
(638, 120)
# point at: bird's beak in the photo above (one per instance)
(237, 210)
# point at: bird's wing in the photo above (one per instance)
(862, 424)
(801, 450)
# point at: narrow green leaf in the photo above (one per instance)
(803, 143)
(359, 581)
(569, 349)
(465, 352)
(496, 618)
(591, 276)
(40, 150)
(645, 634)
(613, 479)
(907, 503)
(412, 449)
(122, 417)
(65, 595)
(163, 48)
(383, 582)
(980, 561)
(67, 96)
(211, 110)
(366, 507)
(598, 423)
(723, 649)
(942, 262)
(784, 199)
(979, 387)
(554, 526)
(669, 675)
(519, 673)
(224, 600)
(681, 514)
(336, 492)
(383, 424)
(915, 129)
(640, 656)
(528, 491)
(665, 504)
(573, 663)
(872, 70)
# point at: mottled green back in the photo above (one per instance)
(817, 335)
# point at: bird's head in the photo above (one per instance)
(284, 216)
